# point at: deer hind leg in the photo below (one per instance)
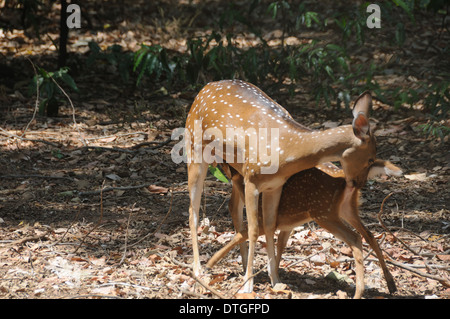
(196, 177)
(282, 240)
(236, 207)
(239, 238)
(341, 231)
(251, 204)
(270, 201)
(355, 221)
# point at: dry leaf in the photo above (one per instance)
(157, 189)
(281, 288)
(217, 278)
(113, 177)
(334, 264)
(444, 257)
(417, 177)
(251, 295)
(347, 251)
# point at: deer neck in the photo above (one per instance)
(312, 148)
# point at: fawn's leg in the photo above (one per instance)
(341, 231)
(355, 221)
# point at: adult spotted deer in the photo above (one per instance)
(247, 125)
(327, 200)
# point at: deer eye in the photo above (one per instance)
(371, 161)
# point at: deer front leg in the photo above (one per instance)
(355, 221)
(270, 201)
(335, 226)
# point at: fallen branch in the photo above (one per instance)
(102, 148)
(158, 144)
(27, 239)
(6, 133)
(108, 189)
(115, 135)
(36, 176)
(443, 281)
(133, 149)
(200, 281)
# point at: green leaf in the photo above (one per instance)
(94, 47)
(273, 7)
(69, 81)
(400, 34)
(335, 47)
(43, 106)
(217, 173)
(329, 70)
(405, 7)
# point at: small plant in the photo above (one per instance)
(46, 81)
(437, 105)
(153, 62)
(435, 129)
(113, 55)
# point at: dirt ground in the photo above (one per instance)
(62, 237)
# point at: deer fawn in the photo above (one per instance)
(327, 200)
(238, 108)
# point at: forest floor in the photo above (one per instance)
(97, 208)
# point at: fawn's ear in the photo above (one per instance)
(363, 104)
(361, 126)
(384, 168)
(361, 109)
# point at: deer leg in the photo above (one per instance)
(282, 240)
(355, 221)
(270, 201)
(239, 238)
(341, 231)
(251, 204)
(236, 207)
(196, 176)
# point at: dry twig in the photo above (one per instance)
(160, 223)
(98, 222)
(387, 229)
(200, 281)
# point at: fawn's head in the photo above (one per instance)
(357, 160)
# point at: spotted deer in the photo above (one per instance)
(236, 122)
(327, 200)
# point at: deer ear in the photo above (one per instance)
(363, 104)
(361, 126)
